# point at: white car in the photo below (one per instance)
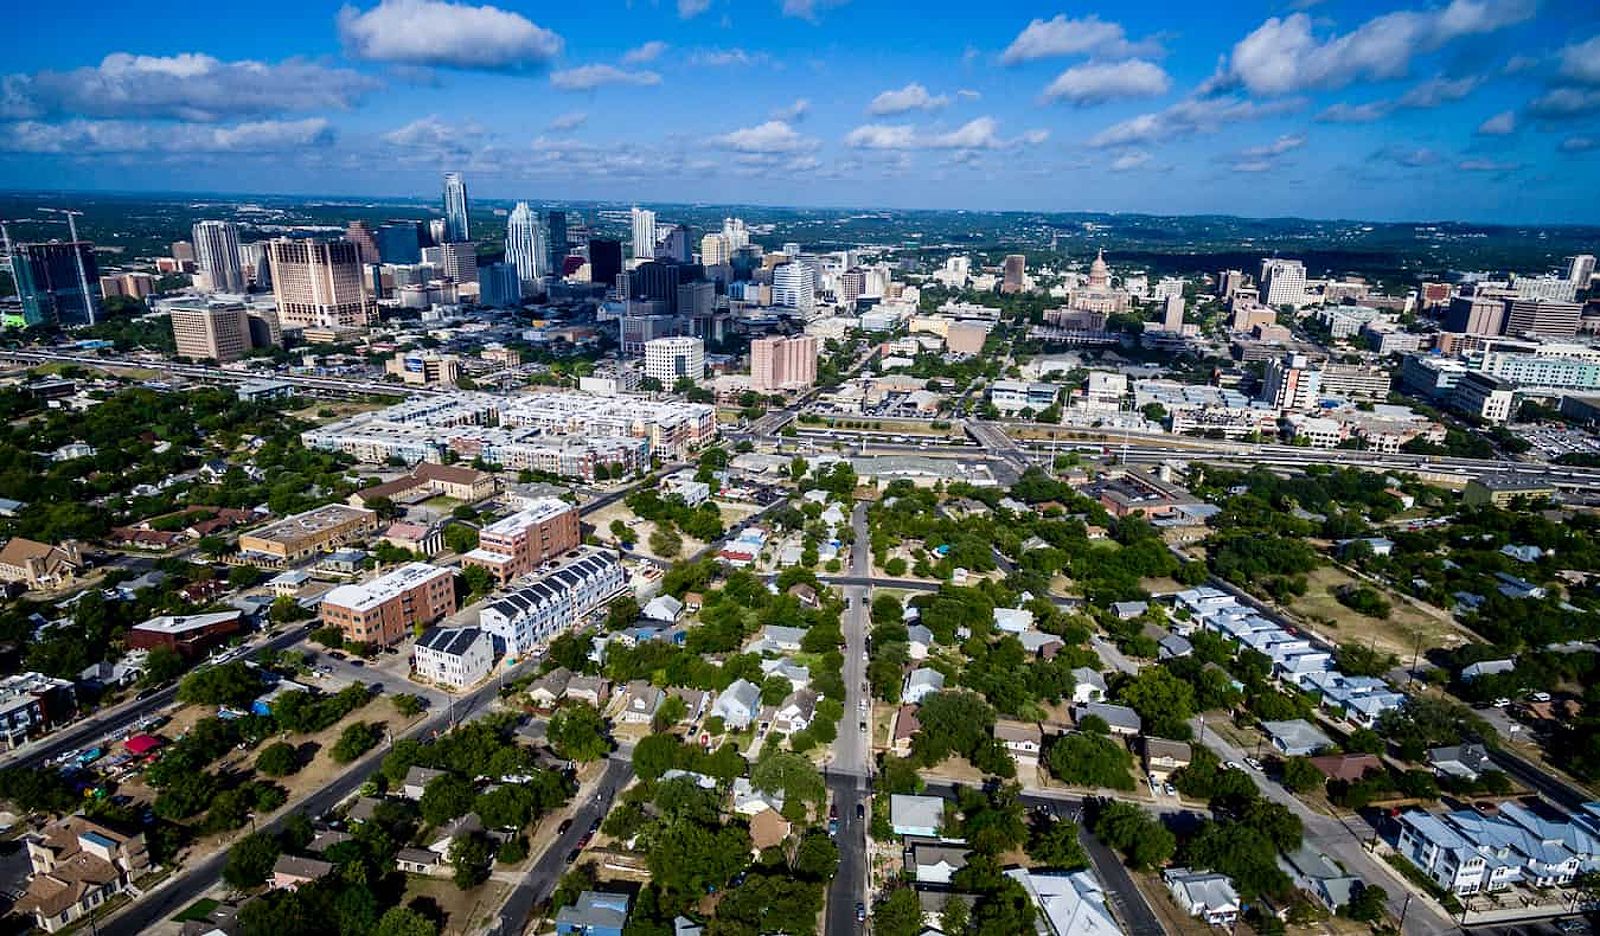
(1540, 697)
(1232, 765)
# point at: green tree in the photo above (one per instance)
(250, 860)
(446, 798)
(1092, 760)
(161, 666)
(1054, 843)
(403, 921)
(279, 759)
(899, 914)
(578, 733)
(470, 859)
(357, 739)
(1300, 775)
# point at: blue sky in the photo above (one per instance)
(1476, 110)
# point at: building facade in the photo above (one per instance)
(535, 613)
(319, 284)
(385, 609)
(216, 255)
(456, 657)
(671, 359)
(778, 363)
(516, 545)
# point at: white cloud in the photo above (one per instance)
(569, 121)
(1500, 124)
(979, 133)
(1098, 82)
(1278, 147)
(1355, 113)
(1060, 36)
(1409, 157)
(689, 9)
(1581, 62)
(189, 86)
(1254, 165)
(793, 112)
(1578, 144)
(589, 77)
(1487, 165)
(718, 58)
(1565, 102)
(774, 136)
(1189, 116)
(1282, 56)
(448, 35)
(1435, 92)
(912, 97)
(99, 137)
(806, 9)
(1132, 160)
(1517, 64)
(967, 94)
(432, 133)
(648, 52)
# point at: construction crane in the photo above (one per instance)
(77, 258)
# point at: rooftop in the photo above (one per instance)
(369, 595)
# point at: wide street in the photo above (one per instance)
(848, 773)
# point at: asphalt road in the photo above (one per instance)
(194, 880)
(540, 880)
(848, 781)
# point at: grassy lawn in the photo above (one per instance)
(199, 911)
(1398, 634)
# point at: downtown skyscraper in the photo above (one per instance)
(457, 227)
(644, 234)
(216, 253)
(525, 245)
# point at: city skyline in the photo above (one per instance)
(1476, 110)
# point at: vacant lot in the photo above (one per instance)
(1399, 634)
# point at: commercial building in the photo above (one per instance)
(1545, 317)
(1013, 396)
(1484, 396)
(778, 363)
(319, 284)
(39, 565)
(1290, 383)
(1354, 380)
(557, 601)
(456, 657)
(216, 256)
(424, 368)
(385, 609)
(429, 479)
(190, 635)
(306, 534)
(1580, 271)
(78, 865)
(457, 221)
(456, 261)
(1013, 273)
(794, 286)
(219, 331)
(644, 234)
(1500, 490)
(499, 286)
(31, 703)
(1476, 315)
(526, 248)
(1283, 282)
(671, 359)
(605, 260)
(517, 545)
(58, 283)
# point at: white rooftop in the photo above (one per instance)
(369, 595)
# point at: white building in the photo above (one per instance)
(457, 657)
(535, 613)
(1581, 270)
(644, 234)
(1290, 383)
(1013, 396)
(1072, 902)
(525, 244)
(1207, 895)
(671, 359)
(1283, 282)
(794, 286)
(216, 254)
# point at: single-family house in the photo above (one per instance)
(420, 861)
(596, 913)
(920, 640)
(916, 815)
(795, 712)
(921, 683)
(738, 705)
(1023, 740)
(768, 829)
(550, 688)
(1120, 719)
(1466, 761)
(1013, 620)
(1207, 895)
(1486, 668)
(1162, 757)
(1318, 875)
(290, 871)
(933, 863)
(906, 727)
(417, 780)
(663, 608)
(640, 700)
(1087, 686)
(594, 690)
(1346, 767)
(1295, 737)
(748, 800)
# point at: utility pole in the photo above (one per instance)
(77, 257)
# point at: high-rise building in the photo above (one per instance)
(183, 250)
(1476, 315)
(499, 286)
(399, 242)
(714, 250)
(737, 234)
(457, 260)
(1012, 273)
(1546, 317)
(644, 234)
(438, 232)
(525, 247)
(1283, 282)
(1291, 384)
(219, 331)
(457, 226)
(556, 225)
(386, 609)
(360, 234)
(794, 287)
(216, 255)
(1546, 287)
(50, 280)
(656, 282)
(671, 359)
(778, 363)
(605, 260)
(257, 267)
(697, 299)
(674, 245)
(1228, 283)
(1172, 318)
(852, 284)
(319, 284)
(1581, 271)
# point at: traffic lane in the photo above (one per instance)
(849, 884)
(540, 880)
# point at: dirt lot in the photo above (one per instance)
(641, 530)
(469, 911)
(1398, 635)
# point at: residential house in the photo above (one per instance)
(1087, 686)
(595, 914)
(1013, 620)
(738, 705)
(594, 690)
(921, 641)
(77, 866)
(748, 800)
(454, 657)
(663, 608)
(906, 727)
(916, 815)
(1295, 737)
(291, 871)
(921, 683)
(1466, 761)
(805, 594)
(39, 565)
(640, 700)
(1486, 668)
(1162, 757)
(933, 863)
(1128, 610)
(1446, 857)
(768, 829)
(420, 861)
(1346, 767)
(550, 688)
(1071, 903)
(1039, 644)
(799, 676)
(776, 638)
(1174, 647)
(695, 701)
(795, 712)
(1207, 895)
(1318, 875)
(1120, 719)
(1023, 740)
(417, 780)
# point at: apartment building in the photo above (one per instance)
(456, 657)
(516, 545)
(385, 609)
(31, 703)
(78, 865)
(558, 600)
(306, 534)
